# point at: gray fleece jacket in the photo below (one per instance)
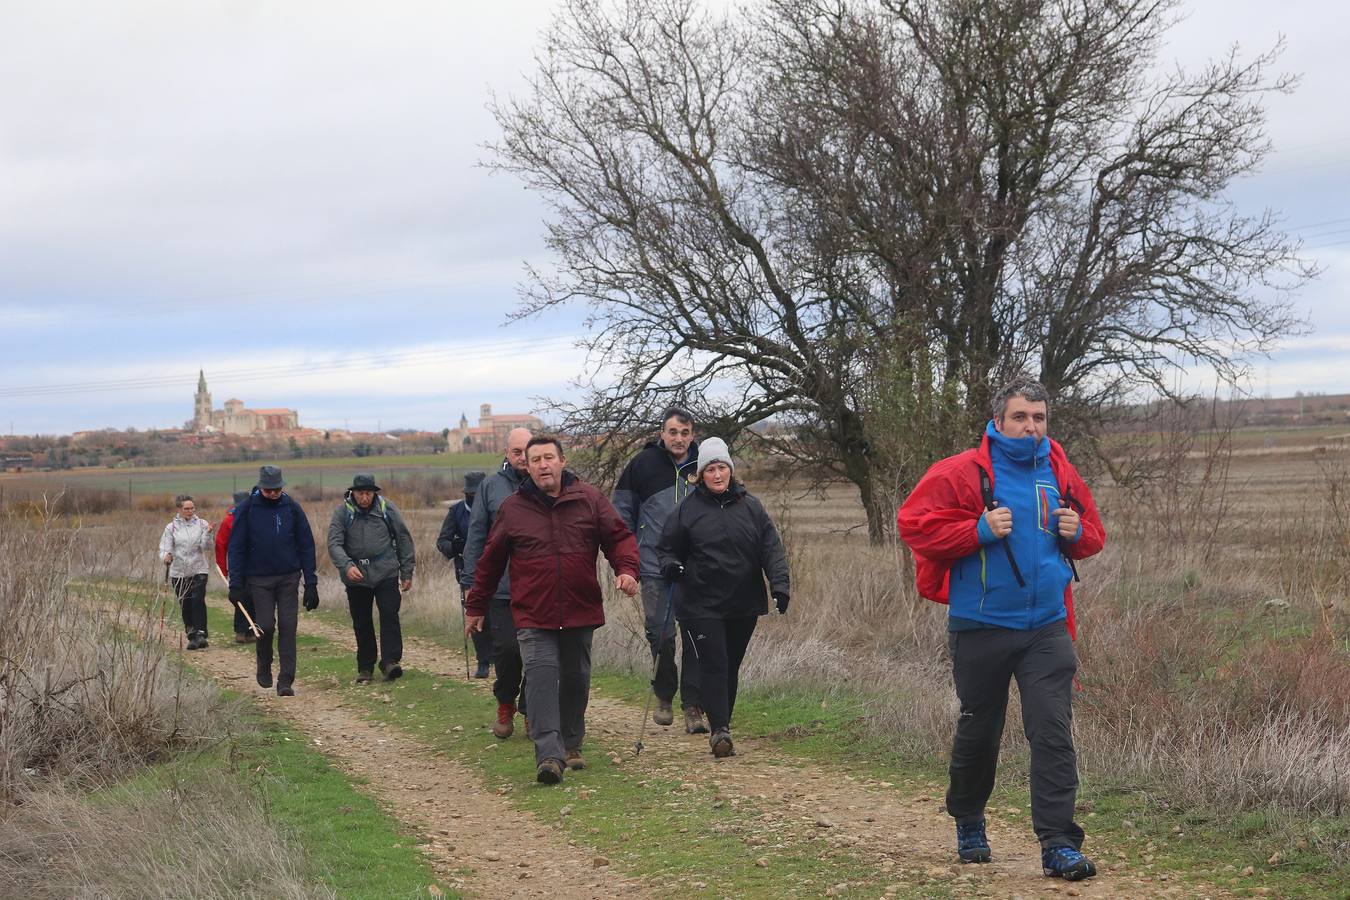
(375, 540)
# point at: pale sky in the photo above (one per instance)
(288, 195)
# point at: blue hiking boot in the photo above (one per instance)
(971, 844)
(1066, 863)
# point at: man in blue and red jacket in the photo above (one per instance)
(994, 532)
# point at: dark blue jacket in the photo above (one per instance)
(649, 489)
(270, 538)
(455, 534)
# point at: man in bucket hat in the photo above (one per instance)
(454, 534)
(271, 549)
(372, 549)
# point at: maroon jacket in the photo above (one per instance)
(552, 549)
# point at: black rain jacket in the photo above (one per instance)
(728, 547)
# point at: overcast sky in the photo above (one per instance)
(287, 195)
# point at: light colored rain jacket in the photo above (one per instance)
(189, 540)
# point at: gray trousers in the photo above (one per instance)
(557, 687)
(276, 599)
(1043, 662)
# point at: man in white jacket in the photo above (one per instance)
(185, 547)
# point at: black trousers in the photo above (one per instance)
(719, 646)
(277, 600)
(661, 627)
(387, 598)
(191, 593)
(984, 661)
(508, 687)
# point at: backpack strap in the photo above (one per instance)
(987, 495)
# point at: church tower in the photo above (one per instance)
(201, 405)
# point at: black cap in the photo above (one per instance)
(471, 482)
(269, 477)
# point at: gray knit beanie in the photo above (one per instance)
(712, 450)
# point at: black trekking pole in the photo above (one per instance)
(656, 661)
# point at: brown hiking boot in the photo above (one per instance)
(363, 676)
(664, 715)
(693, 721)
(391, 670)
(550, 771)
(575, 760)
(505, 724)
(721, 744)
(242, 637)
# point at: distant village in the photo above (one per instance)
(236, 432)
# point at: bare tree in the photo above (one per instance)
(857, 217)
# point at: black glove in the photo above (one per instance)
(780, 601)
(237, 595)
(311, 596)
(672, 571)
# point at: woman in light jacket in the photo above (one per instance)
(185, 549)
(717, 550)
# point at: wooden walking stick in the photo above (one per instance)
(257, 632)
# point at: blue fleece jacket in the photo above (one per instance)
(983, 590)
(270, 538)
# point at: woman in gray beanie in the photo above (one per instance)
(717, 549)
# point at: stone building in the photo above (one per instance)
(490, 434)
(235, 418)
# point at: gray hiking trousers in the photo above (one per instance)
(557, 687)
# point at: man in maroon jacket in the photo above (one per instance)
(549, 532)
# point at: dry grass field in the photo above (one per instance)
(1214, 631)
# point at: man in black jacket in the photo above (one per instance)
(271, 548)
(454, 534)
(652, 484)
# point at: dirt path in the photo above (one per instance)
(903, 830)
(436, 795)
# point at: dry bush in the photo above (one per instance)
(154, 503)
(204, 840)
(79, 699)
(38, 504)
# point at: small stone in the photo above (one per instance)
(492, 856)
(1074, 892)
(762, 862)
(1013, 811)
(1248, 871)
(1127, 825)
(458, 728)
(599, 862)
(565, 811)
(823, 822)
(1275, 858)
